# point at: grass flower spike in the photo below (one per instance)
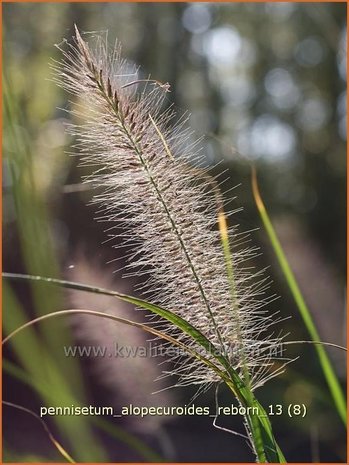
(147, 183)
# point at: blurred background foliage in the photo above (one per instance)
(264, 83)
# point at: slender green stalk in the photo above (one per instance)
(54, 441)
(253, 422)
(326, 365)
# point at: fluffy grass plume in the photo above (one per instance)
(170, 211)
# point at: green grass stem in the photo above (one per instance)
(329, 373)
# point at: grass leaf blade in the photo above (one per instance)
(326, 365)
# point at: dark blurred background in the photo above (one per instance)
(264, 83)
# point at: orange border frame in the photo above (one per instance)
(1, 101)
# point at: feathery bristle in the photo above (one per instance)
(168, 210)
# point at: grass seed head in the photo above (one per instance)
(144, 169)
